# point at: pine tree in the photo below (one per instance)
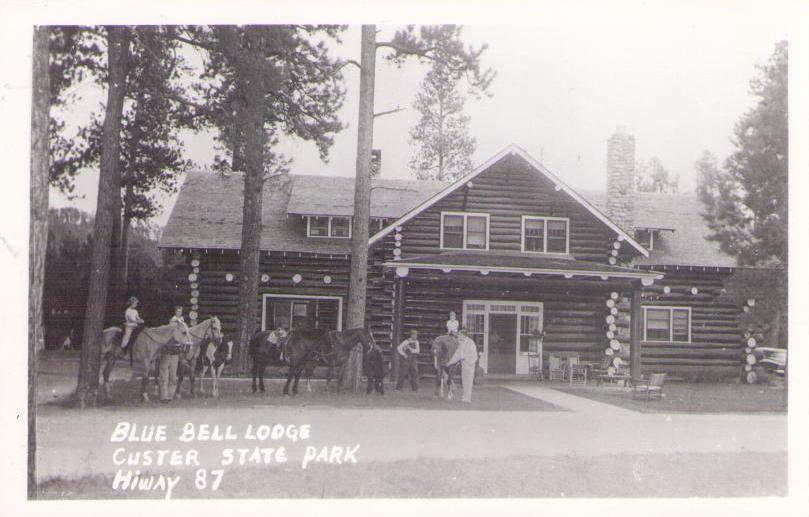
(653, 176)
(746, 203)
(260, 82)
(443, 147)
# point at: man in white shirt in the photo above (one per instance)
(408, 351)
(467, 355)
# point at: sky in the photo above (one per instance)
(677, 79)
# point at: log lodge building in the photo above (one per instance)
(625, 278)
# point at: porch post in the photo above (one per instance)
(398, 309)
(635, 332)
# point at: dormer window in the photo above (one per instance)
(464, 230)
(645, 238)
(328, 226)
(545, 234)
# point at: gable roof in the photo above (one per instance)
(208, 210)
(334, 195)
(686, 244)
(511, 149)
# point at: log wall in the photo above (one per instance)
(507, 191)
(716, 342)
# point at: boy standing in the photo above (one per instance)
(408, 351)
(170, 360)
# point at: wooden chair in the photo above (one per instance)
(556, 371)
(652, 387)
(577, 372)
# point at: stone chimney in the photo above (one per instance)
(620, 178)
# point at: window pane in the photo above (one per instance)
(319, 226)
(680, 330)
(657, 324)
(534, 235)
(339, 226)
(299, 314)
(281, 311)
(453, 231)
(557, 236)
(642, 236)
(476, 232)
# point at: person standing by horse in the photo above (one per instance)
(408, 366)
(467, 355)
(169, 360)
(131, 321)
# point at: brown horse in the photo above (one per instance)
(342, 342)
(443, 348)
(301, 350)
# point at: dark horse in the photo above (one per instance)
(301, 350)
(443, 348)
(342, 342)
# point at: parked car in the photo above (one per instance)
(773, 360)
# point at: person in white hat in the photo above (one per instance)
(467, 355)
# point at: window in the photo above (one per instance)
(318, 227)
(323, 226)
(645, 237)
(460, 230)
(545, 234)
(667, 324)
(302, 312)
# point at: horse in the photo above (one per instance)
(301, 349)
(443, 348)
(213, 356)
(342, 342)
(202, 335)
(146, 349)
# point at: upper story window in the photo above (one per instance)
(671, 324)
(462, 230)
(325, 226)
(545, 234)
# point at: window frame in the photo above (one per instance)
(545, 220)
(299, 297)
(466, 216)
(329, 236)
(670, 309)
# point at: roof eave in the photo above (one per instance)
(568, 273)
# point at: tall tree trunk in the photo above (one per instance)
(108, 189)
(40, 157)
(115, 303)
(362, 201)
(251, 127)
(125, 252)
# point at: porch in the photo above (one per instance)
(519, 310)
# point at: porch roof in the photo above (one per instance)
(520, 263)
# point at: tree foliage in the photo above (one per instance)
(746, 203)
(443, 146)
(653, 176)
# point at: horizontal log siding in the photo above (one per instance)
(716, 342)
(507, 191)
(219, 297)
(573, 316)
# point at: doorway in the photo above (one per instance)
(505, 333)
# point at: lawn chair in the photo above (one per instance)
(555, 369)
(576, 371)
(653, 386)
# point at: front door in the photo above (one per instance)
(502, 341)
(506, 333)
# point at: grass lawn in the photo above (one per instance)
(692, 397)
(237, 393)
(648, 475)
